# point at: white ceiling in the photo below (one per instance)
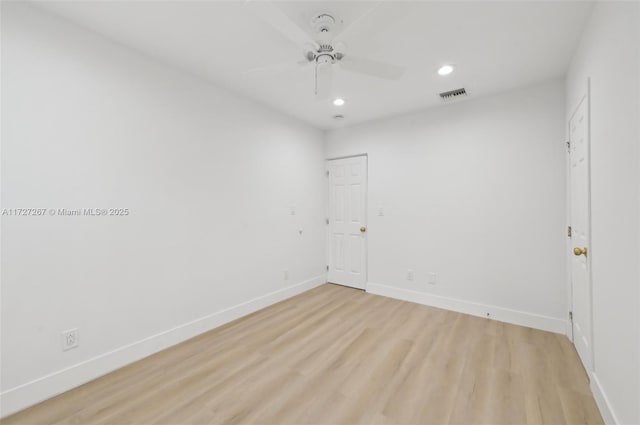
(494, 45)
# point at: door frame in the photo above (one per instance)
(366, 215)
(584, 97)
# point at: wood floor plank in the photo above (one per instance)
(335, 355)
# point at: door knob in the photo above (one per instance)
(580, 251)
(363, 229)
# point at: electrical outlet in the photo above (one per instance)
(285, 274)
(410, 275)
(69, 339)
(292, 210)
(432, 279)
(380, 212)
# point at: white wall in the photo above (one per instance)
(209, 179)
(609, 54)
(473, 191)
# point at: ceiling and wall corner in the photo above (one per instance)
(496, 46)
(473, 192)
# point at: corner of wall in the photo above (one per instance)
(23, 396)
(501, 314)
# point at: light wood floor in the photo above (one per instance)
(336, 355)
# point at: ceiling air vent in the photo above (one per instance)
(453, 94)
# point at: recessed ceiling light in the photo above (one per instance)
(445, 70)
(338, 102)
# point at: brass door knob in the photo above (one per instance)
(363, 229)
(580, 251)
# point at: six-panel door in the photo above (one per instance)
(347, 221)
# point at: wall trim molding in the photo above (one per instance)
(30, 393)
(501, 314)
(606, 410)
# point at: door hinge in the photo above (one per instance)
(327, 173)
(327, 221)
(569, 231)
(568, 146)
(327, 267)
(571, 316)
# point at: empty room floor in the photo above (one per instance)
(335, 355)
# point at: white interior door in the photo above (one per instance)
(580, 228)
(347, 221)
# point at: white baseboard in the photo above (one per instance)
(23, 396)
(515, 317)
(602, 401)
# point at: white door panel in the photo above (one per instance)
(347, 218)
(580, 232)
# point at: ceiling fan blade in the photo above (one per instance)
(324, 81)
(371, 67)
(276, 68)
(271, 14)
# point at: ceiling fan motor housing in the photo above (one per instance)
(325, 59)
(326, 54)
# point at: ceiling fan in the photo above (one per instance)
(322, 49)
